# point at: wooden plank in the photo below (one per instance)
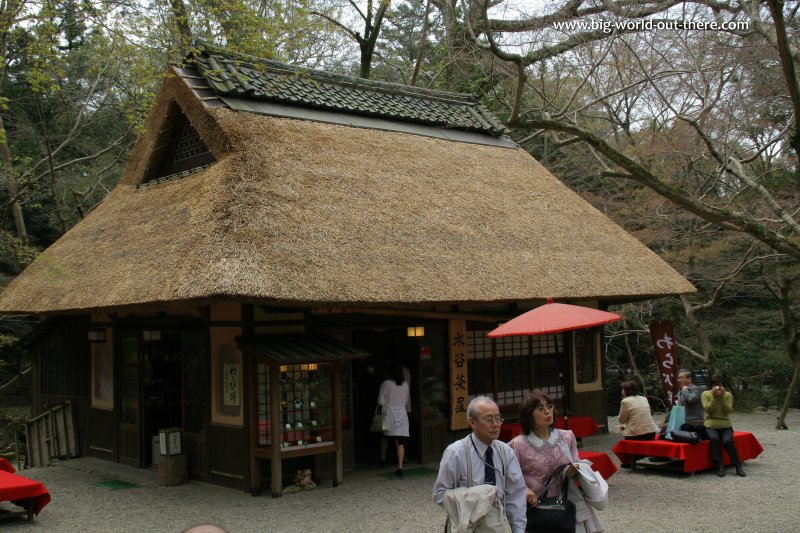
(44, 439)
(51, 435)
(72, 436)
(59, 432)
(35, 440)
(28, 446)
(49, 432)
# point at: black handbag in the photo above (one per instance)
(690, 437)
(552, 515)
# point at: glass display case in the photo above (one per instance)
(306, 408)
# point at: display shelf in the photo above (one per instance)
(305, 405)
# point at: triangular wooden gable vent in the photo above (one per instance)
(179, 150)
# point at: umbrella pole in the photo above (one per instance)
(564, 391)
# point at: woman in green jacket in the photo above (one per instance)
(718, 404)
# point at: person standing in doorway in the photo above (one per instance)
(395, 399)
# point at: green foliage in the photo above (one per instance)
(20, 255)
(6, 340)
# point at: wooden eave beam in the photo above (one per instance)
(384, 311)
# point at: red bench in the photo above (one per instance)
(694, 457)
(24, 492)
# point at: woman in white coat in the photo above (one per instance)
(395, 399)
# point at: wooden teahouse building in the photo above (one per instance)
(279, 235)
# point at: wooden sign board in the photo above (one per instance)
(459, 394)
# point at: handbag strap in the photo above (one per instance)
(552, 478)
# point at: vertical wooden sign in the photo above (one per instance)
(459, 395)
(664, 345)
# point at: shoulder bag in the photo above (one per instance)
(678, 435)
(677, 418)
(554, 515)
(377, 420)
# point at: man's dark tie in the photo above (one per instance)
(489, 472)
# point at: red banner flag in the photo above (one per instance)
(664, 345)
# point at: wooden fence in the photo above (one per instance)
(51, 435)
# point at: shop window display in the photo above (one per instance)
(306, 408)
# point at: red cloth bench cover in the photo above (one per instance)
(581, 426)
(6, 466)
(19, 490)
(695, 457)
(600, 462)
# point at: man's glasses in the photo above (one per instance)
(544, 408)
(490, 419)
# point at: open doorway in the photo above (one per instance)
(162, 387)
(385, 345)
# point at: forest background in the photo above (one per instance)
(676, 119)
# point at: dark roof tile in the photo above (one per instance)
(247, 77)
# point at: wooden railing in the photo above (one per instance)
(51, 435)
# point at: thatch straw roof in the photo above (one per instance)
(310, 213)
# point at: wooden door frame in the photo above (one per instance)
(119, 372)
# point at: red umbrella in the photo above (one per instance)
(554, 318)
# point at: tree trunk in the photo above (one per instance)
(182, 25)
(788, 400)
(706, 348)
(791, 338)
(12, 187)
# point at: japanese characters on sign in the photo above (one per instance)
(230, 392)
(666, 356)
(458, 374)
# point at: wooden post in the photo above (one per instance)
(276, 430)
(337, 422)
(172, 470)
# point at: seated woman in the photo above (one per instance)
(718, 404)
(541, 450)
(636, 420)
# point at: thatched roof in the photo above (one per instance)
(311, 213)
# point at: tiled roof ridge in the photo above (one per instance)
(227, 73)
(341, 79)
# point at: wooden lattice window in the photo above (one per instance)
(549, 364)
(179, 150)
(64, 373)
(480, 364)
(505, 369)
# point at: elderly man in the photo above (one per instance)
(480, 476)
(689, 396)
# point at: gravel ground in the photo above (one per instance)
(641, 501)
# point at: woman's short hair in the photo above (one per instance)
(529, 403)
(717, 379)
(630, 388)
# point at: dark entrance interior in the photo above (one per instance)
(385, 345)
(162, 386)
(162, 383)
